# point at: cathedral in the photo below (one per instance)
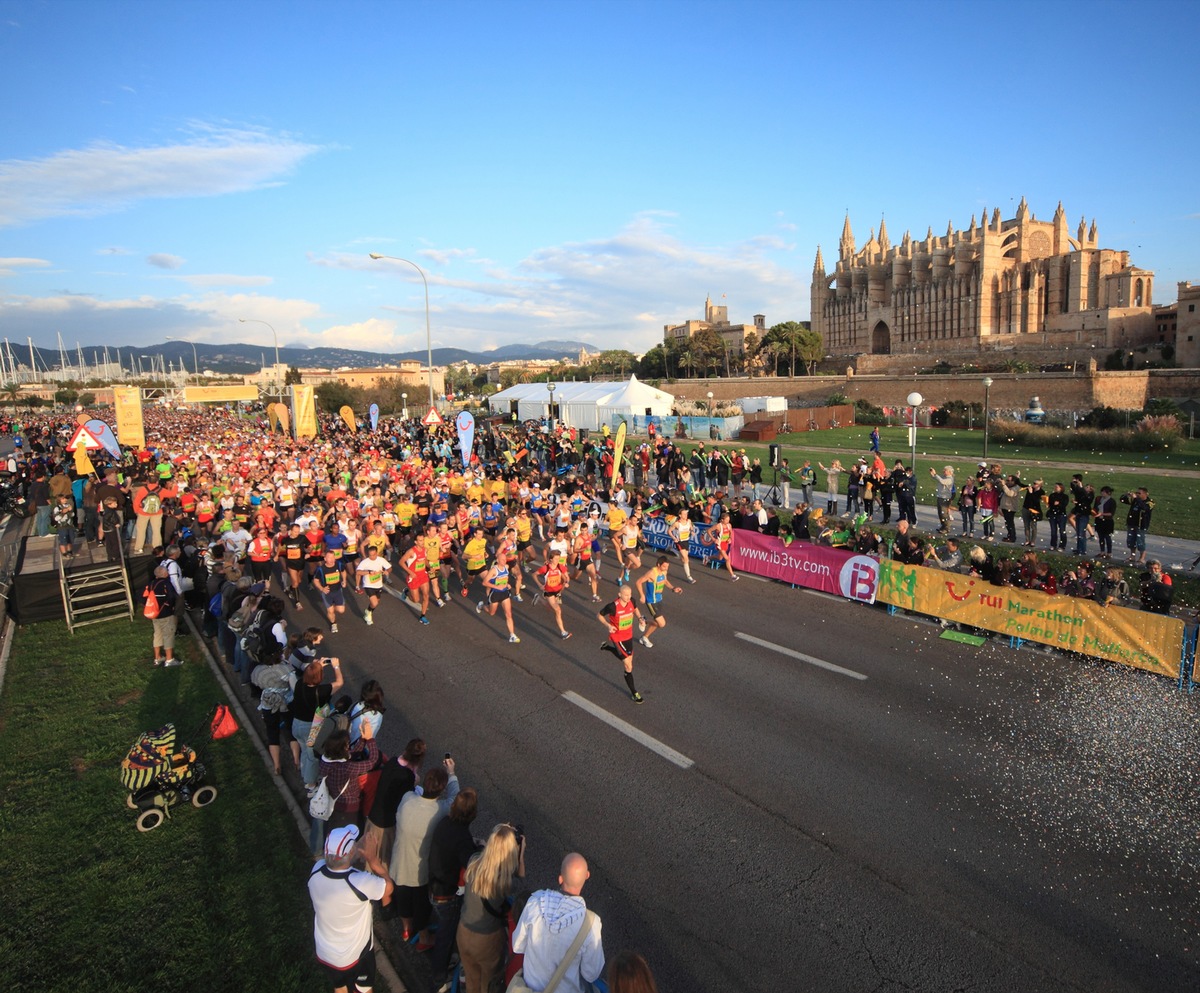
(999, 285)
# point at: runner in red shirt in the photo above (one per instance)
(552, 579)
(618, 618)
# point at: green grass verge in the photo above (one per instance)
(1177, 498)
(212, 900)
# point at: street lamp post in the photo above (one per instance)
(428, 337)
(404, 406)
(987, 406)
(195, 360)
(914, 401)
(274, 336)
(550, 409)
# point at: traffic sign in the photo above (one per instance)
(432, 419)
(83, 438)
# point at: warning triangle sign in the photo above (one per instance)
(83, 438)
(432, 419)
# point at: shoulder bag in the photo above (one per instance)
(517, 984)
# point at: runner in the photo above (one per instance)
(584, 559)
(475, 553)
(328, 580)
(650, 587)
(618, 617)
(431, 544)
(724, 540)
(370, 573)
(290, 550)
(627, 542)
(681, 534)
(553, 580)
(416, 573)
(497, 594)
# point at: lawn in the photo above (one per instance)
(1175, 513)
(212, 900)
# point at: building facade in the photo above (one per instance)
(1184, 321)
(996, 286)
(717, 318)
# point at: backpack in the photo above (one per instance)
(253, 641)
(214, 605)
(242, 616)
(336, 721)
(151, 503)
(320, 806)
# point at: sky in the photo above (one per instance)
(583, 171)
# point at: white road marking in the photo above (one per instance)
(799, 655)
(666, 751)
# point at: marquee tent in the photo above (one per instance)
(586, 405)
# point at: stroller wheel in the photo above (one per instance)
(129, 802)
(204, 796)
(148, 820)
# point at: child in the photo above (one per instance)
(63, 517)
(109, 531)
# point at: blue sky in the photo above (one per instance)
(584, 171)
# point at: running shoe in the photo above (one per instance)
(439, 602)
(424, 619)
(735, 579)
(564, 635)
(333, 629)
(595, 598)
(479, 607)
(637, 697)
(171, 663)
(464, 591)
(646, 641)
(514, 640)
(519, 599)
(690, 579)
(367, 616)
(537, 598)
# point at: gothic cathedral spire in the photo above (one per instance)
(846, 248)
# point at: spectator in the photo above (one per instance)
(39, 502)
(988, 499)
(416, 817)
(341, 769)
(1110, 587)
(1105, 521)
(867, 542)
(1157, 589)
(967, 498)
(369, 710)
(549, 924)
(449, 855)
(629, 972)
(1078, 582)
(398, 777)
(489, 884)
(165, 623)
(311, 693)
(1033, 509)
(982, 565)
(945, 496)
(148, 512)
(1010, 503)
(341, 897)
(949, 557)
(1137, 523)
(906, 548)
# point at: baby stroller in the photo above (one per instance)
(158, 775)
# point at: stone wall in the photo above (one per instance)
(1009, 391)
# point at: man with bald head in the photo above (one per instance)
(549, 924)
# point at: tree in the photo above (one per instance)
(87, 399)
(653, 364)
(12, 392)
(614, 362)
(65, 396)
(811, 349)
(707, 350)
(292, 376)
(787, 338)
(331, 397)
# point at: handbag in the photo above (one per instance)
(319, 716)
(517, 983)
(320, 807)
(151, 610)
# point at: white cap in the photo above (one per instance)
(340, 841)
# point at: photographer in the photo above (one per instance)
(1137, 523)
(1157, 589)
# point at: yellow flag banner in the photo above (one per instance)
(83, 465)
(127, 400)
(304, 411)
(272, 417)
(284, 415)
(618, 451)
(347, 413)
(1153, 642)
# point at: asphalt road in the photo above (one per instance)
(961, 818)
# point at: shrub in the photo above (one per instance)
(1158, 424)
(866, 412)
(1085, 439)
(1103, 418)
(836, 400)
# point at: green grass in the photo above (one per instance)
(212, 900)
(1177, 504)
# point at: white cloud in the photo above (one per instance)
(163, 260)
(203, 280)
(113, 250)
(10, 266)
(104, 177)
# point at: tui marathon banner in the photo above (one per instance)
(104, 434)
(815, 567)
(304, 411)
(347, 414)
(373, 414)
(618, 451)
(272, 417)
(127, 400)
(1153, 642)
(284, 415)
(465, 422)
(656, 533)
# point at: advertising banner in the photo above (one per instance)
(656, 532)
(101, 431)
(284, 416)
(127, 401)
(1146, 641)
(347, 415)
(373, 413)
(465, 422)
(272, 417)
(304, 411)
(618, 451)
(219, 394)
(830, 570)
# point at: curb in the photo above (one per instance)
(383, 961)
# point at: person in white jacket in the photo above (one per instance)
(548, 926)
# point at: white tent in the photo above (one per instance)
(585, 405)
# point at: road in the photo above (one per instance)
(922, 814)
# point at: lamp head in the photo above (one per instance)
(987, 382)
(915, 399)
(375, 255)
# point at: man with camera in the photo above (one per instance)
(1137, 523)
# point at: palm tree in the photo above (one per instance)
(12, 392)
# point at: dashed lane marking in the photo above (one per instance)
(627, 729)
(820, 663)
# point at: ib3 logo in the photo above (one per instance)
(859, 578)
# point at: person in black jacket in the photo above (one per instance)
(451, 849)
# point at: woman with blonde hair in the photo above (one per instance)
(489, 887)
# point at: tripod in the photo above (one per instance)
(773, 492)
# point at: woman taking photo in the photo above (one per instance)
(310, 694)
(489, 889)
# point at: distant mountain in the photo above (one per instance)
(243, 358)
